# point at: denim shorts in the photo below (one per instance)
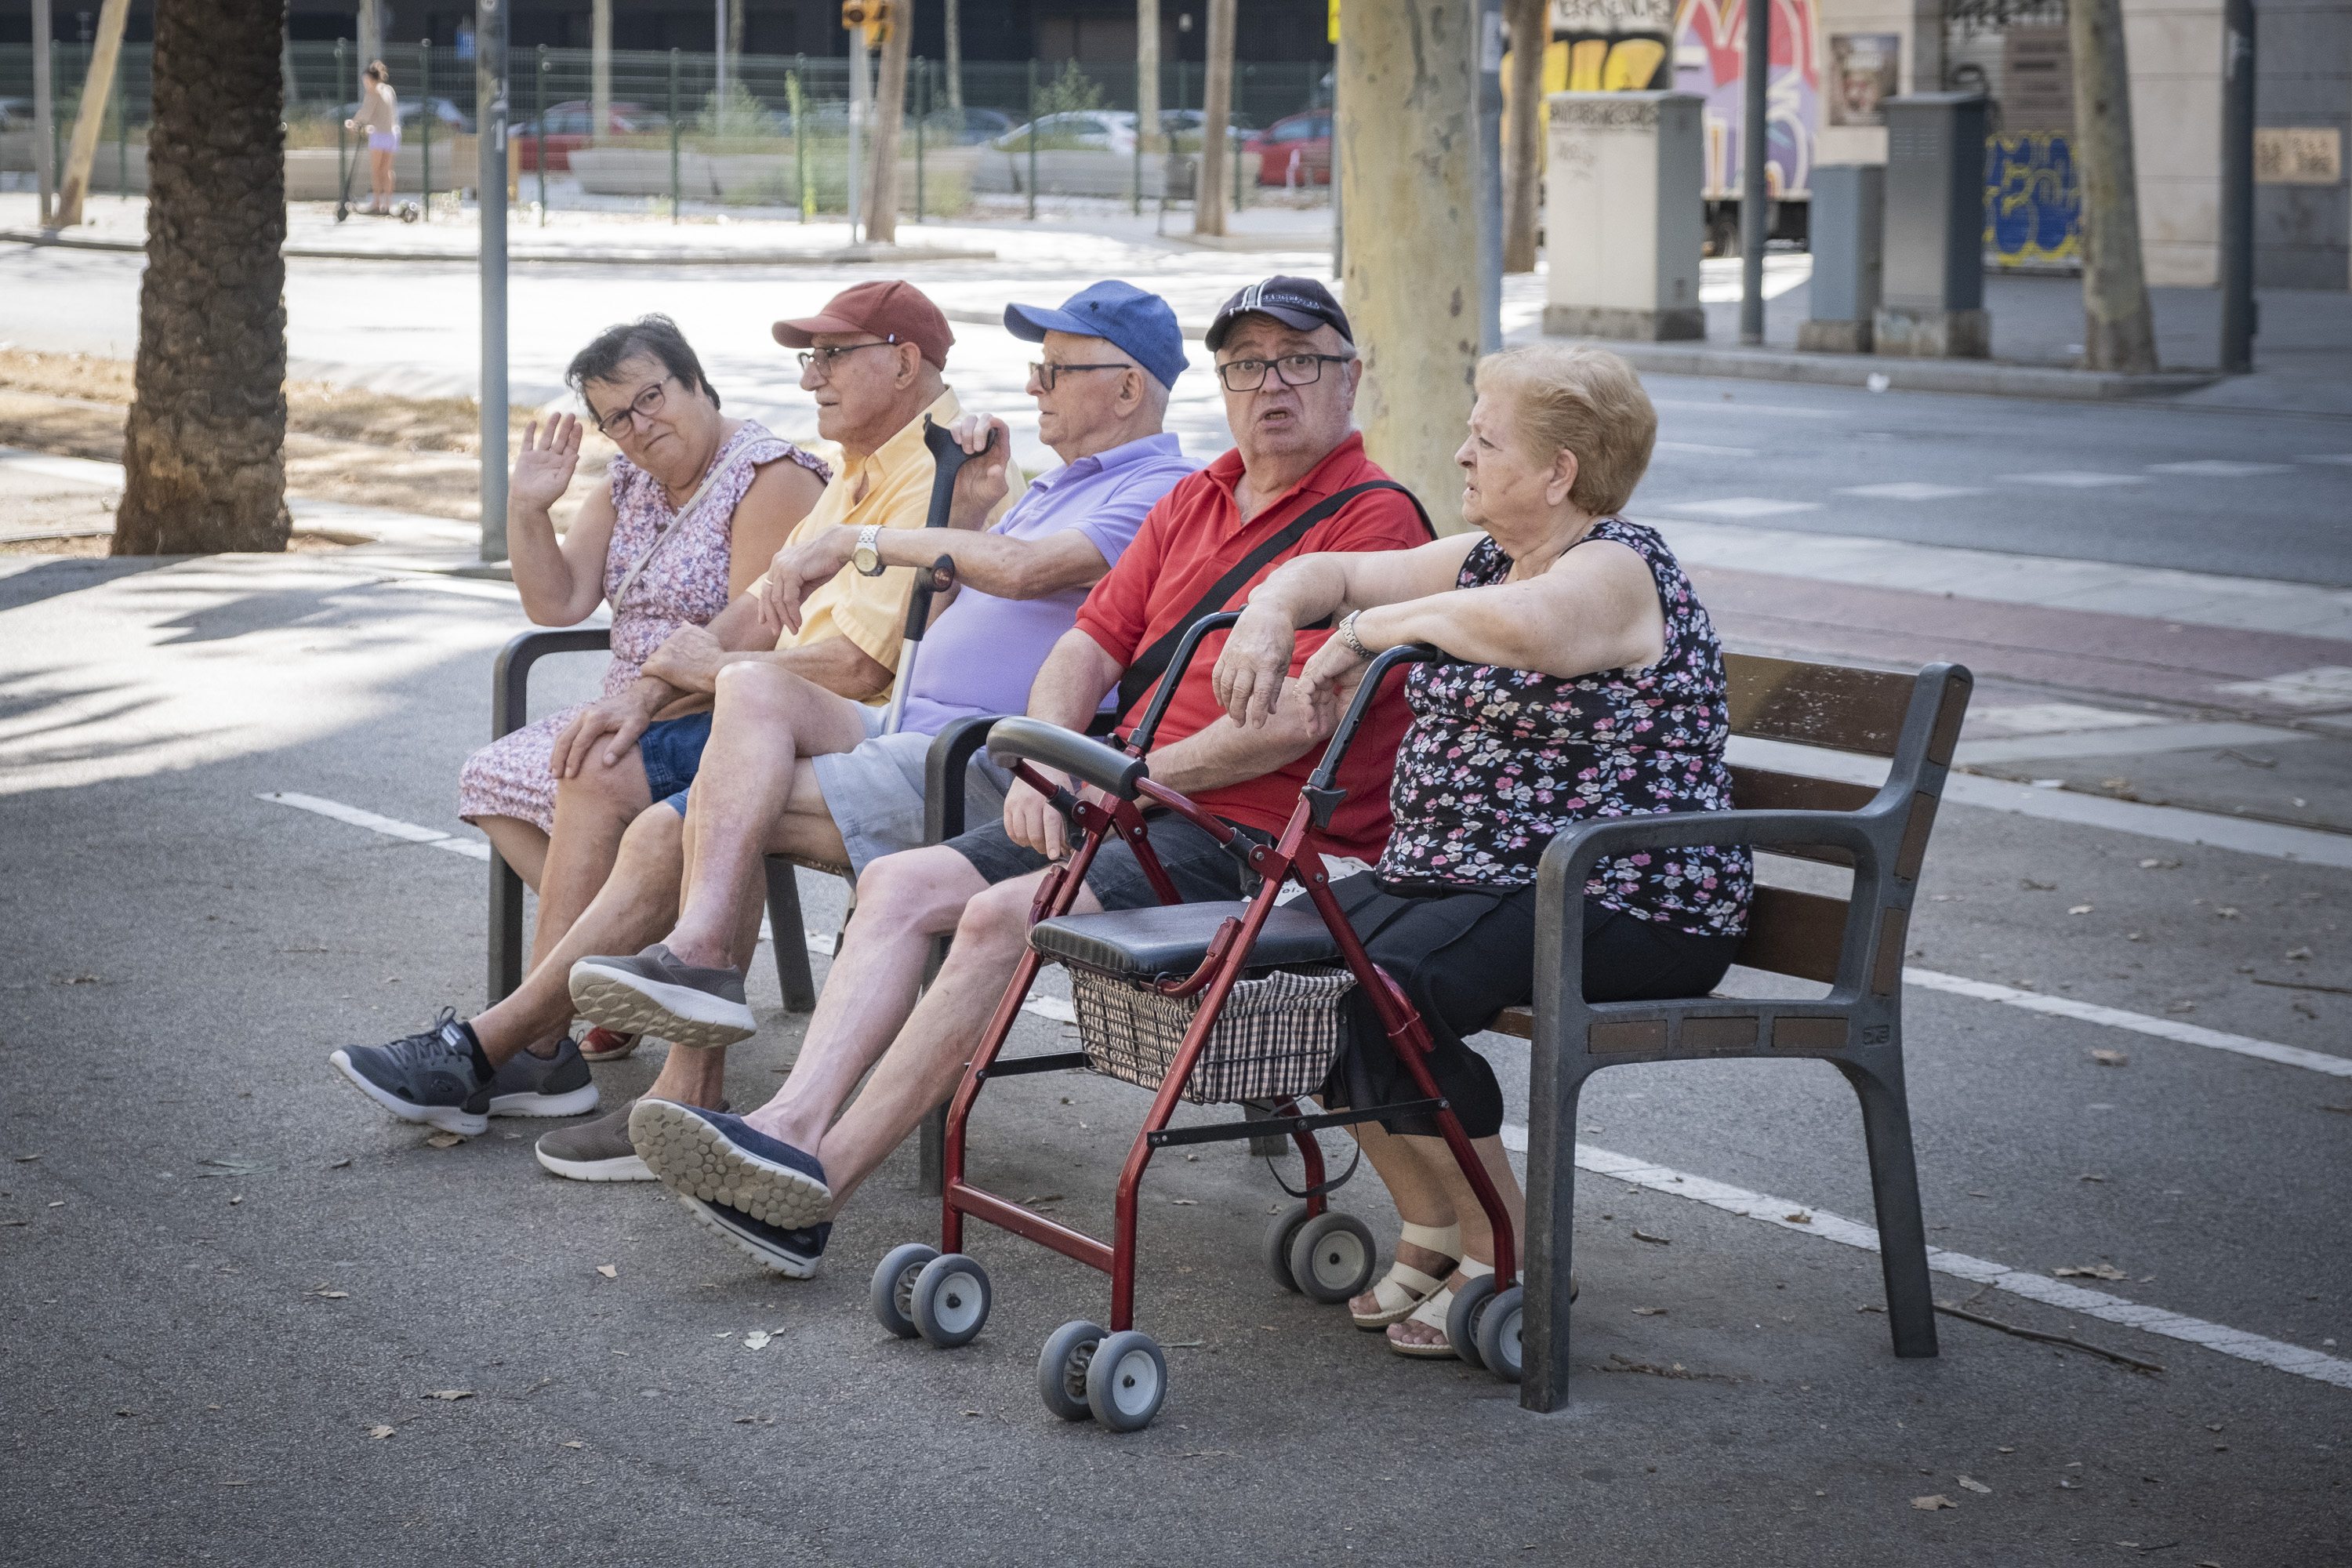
(1202, 870)
(671, 750)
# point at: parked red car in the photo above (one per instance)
(567, 129)
(1296, 150)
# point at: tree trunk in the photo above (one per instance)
(1147, 74)
(1529, 23)
(204, 448)
(2118, 327)
(889, 120)
(1408, 149)
(1208, 191)
(955, 62)
(89, 121)
(600, 70)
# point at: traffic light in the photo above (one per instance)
(872, 16)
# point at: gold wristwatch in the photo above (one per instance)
(867, 555)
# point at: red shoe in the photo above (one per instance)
(601, 1045)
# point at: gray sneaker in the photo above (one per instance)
(597, 1151)
(428, 1077)
(559, 1085)
(651, 993)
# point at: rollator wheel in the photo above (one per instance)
(1461, 1317)
(1498, 1333)
(1279, 1237)
(1126, 1380)
(892, 1294)
(1332, 1257)
(951, 1300)
(1062, 1368)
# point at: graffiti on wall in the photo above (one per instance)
(2033, 205)
(1709, 46)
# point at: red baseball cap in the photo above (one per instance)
(897, 312)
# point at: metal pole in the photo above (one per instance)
(800, 140)
(673, 136)
(922, 118)
(342, 169)
(1033, 138)
(425, 125)
(45, 113)
(856, 126)
(1753, 193)
(718, 60)
(490, 203)
(1490, 175)
(538, 129)
(122, 136)
(2239, 322)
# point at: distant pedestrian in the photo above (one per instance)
(379, 116)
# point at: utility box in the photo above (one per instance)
(1624, 215)
(1934, 304)
(1848, 225)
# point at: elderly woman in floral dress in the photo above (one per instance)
(1581, 679)
(695, 506)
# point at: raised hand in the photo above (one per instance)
(544, 465)
(981, 483)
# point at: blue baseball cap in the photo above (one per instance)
(1142, 323)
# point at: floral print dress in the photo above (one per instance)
(685, 583)
(1498, 762)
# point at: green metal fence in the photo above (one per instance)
(780, 138)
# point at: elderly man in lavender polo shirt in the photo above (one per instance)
(1109, 355)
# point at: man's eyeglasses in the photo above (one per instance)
(822, 358)
(1045, 374)
(645, 405)
(1296, 369)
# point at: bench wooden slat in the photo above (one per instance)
(1761, 789)
(1790, 933)
(1836, 705)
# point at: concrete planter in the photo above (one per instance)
(106, 170)
(311, 171)
(1087, 173)
(769, 178)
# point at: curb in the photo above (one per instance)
(669, 255)
(1984, 377)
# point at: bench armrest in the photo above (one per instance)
(510, 678)
(945, 771)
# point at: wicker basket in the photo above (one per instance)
(1274, 1038)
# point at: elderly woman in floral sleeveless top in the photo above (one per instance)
(695, 506)
(1581, 679)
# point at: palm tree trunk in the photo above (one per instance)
(204, 448)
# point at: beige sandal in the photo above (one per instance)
(1403, 1288)
(1431, 1314)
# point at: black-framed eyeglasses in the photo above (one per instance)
(645, 405)
(823, 358)
(1296, 369)
(1044, 375)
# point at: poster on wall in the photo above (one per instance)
(1865, 69)
(1710, 46)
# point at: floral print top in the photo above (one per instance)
(1498, 762)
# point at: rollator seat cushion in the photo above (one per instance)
(1173, 939)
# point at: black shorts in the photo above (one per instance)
(1463, 957)
(1201, 869)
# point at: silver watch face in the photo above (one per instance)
(868, 560)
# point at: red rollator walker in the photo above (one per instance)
(1216, 1003)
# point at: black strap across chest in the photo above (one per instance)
(1149, 666)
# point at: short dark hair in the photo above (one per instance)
(655, 337)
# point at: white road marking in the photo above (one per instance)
(2329, 685)
(2327, 458)
(1821, 1223)
(390, 826)
(2053, 718)
(1734, 406)
(1700, 448)
(2077, 479)
(2219, 468)
(2139, 741)
(1912, 490)
(1741, 506)
(2138, 1023)
(2173, 823)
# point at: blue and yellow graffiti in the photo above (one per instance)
(2033, 205)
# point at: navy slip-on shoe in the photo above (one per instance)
(792, 1253)
(723, 1159)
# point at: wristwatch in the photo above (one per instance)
(867, 555)
(1346, 632)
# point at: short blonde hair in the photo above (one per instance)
(1584, 400)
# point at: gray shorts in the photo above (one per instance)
(875, 791)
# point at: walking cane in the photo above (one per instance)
(947, 457)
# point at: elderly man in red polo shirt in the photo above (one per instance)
(1287, 359)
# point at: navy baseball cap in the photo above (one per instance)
(1141, 324)
(1298, 302)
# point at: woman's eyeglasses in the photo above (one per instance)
(1044, 375)
(821, 359)
(1296, 369)
(645, 405)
